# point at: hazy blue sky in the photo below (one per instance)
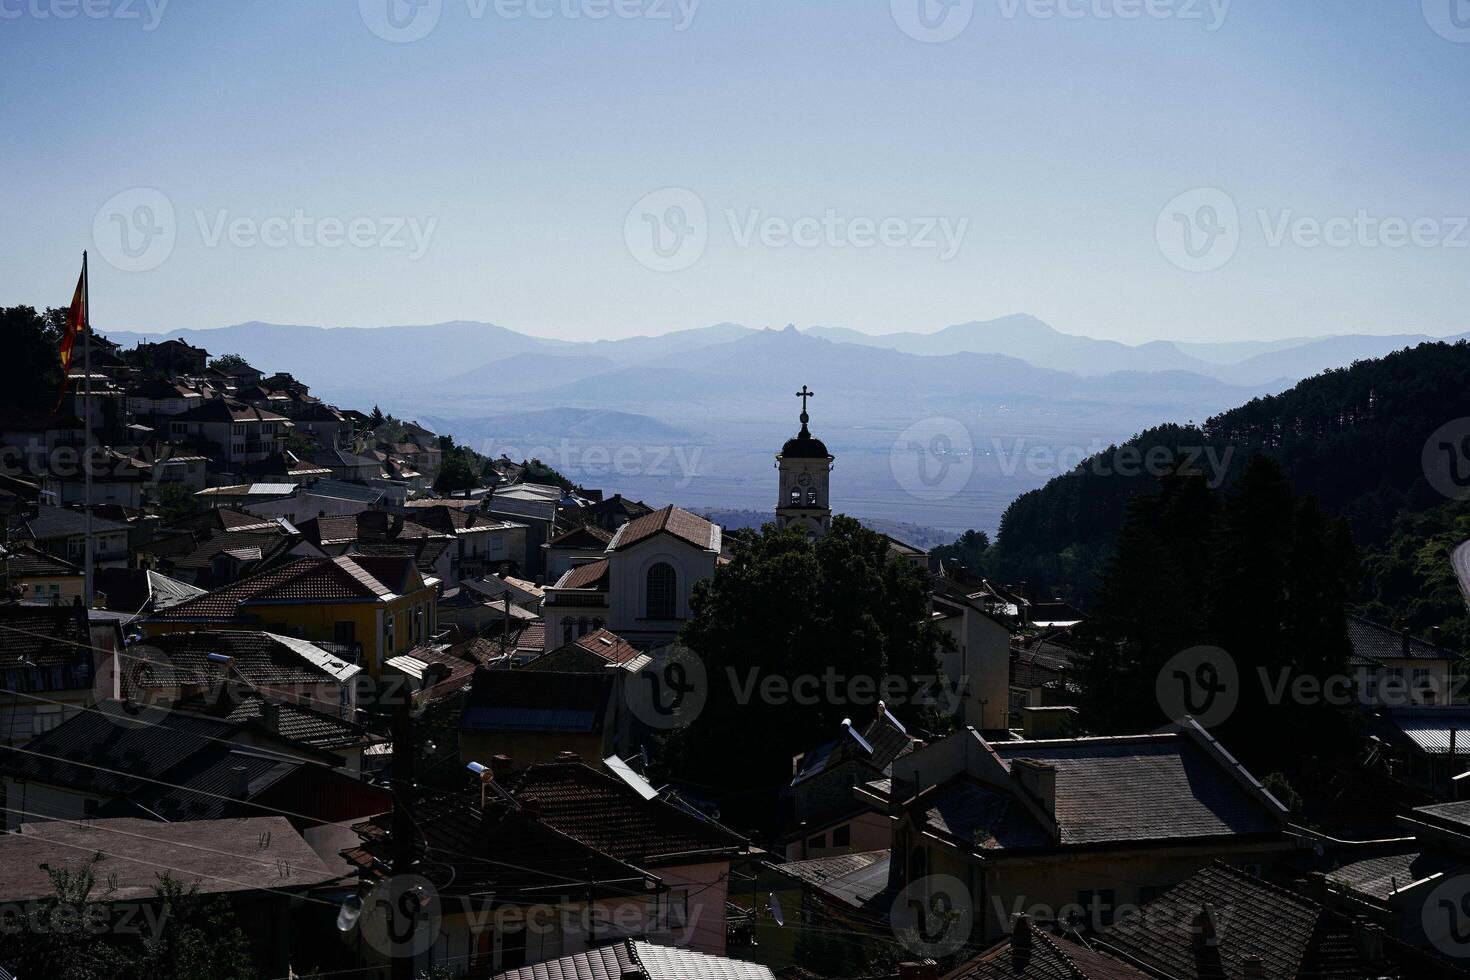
(515, 147)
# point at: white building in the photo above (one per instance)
(640, 588)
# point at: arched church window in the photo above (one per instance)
(811, 496)
(795, 495)
(662, 592)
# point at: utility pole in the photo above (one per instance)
(403, 831)
(86, 327)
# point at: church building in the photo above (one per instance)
(803, 495)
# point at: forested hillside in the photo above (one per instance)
(1354, 438)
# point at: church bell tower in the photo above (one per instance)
(805, 467)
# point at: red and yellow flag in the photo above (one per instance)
(76, 322)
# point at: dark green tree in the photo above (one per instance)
(458, 472)
(226, 361)
(32, 361)
(969, 550)
(1258, 572)
(787, 608)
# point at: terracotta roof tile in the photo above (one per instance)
(673, 520)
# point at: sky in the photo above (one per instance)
(1196, 170)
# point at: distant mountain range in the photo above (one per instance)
(697, 414)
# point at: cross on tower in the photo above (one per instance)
(804, 394)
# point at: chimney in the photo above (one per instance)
(1437, 634)
(1040, 780)
(501, 765)
(1252, 967)
(924, 970)
(1021, 933)
(1205, 929)
(1407, 636)
(270, 715)
(241, 782)
(1368, 938)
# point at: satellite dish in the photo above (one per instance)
(349, 913)
(776, 912)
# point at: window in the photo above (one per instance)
(662, 592)
(795, 496)
(811, 496)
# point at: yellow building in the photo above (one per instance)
(40, 577)
(377, 606)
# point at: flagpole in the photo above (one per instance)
(87, 424)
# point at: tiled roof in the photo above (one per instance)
(226, 410)
(329, 530)
(1374, 641)
(853, 879)
(259, 658)
(29, 563)
(608, 645)
(635, 959)
(884, 735)
(45, 637)
(101, 752)
(136, 590)
(58, 522)
(605, 813)
(587, 537)
(339, 579)
(1144, 788)
(1380, 875)
(1045, 957)
(503, 849)
(1294, 937)
(301, 724)
(215, 856)
(537, 701)
(672, 520)
(245, 545)
(592, 576)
